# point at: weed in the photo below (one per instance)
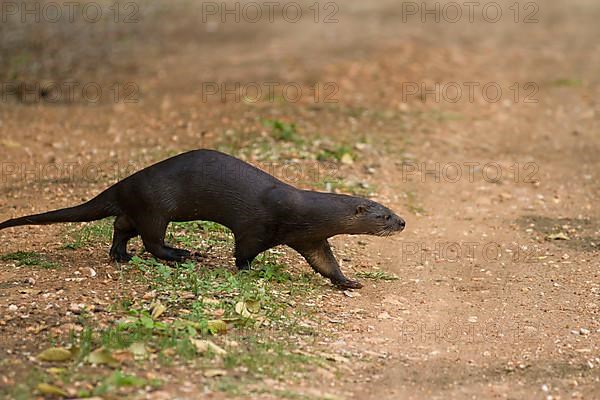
(377, 275)
(29, 258)
(336, 153)
(412, 205)
(283, 131)
(97, 231)
(258, 308)
(566, 82)
(339, 185)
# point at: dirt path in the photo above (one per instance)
(490, 300)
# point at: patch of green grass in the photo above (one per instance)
(29, 258)
(118, 380)
(377, 275)
(336, 153)
(268, 358)
(412, 204)
(340, 185)
(283, 131)
(567, 82)
(195, 234)
(90, 233)
(209, 295)
(259, 310)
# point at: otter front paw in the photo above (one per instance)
(348, 284)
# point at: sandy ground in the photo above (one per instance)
(489, 303)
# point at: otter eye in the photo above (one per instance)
(388, 217)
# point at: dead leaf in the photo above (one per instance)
(138, 349)
(149, 295)
(211, 373)
(384, 315)
(202, 346)
(157, 310)
(247, 308)
(102, 356)
(217, 326)
(51, 390)
(55, 371)
(55, 354)
(347, 159)
(558, 236)
(11, 144)
(242, 310)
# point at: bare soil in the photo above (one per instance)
(498, 289)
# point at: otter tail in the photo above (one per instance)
(99, 207)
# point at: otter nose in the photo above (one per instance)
(401, 224)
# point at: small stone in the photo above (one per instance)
(347, 159)
(76, 308)
(13, 308)
(545, 388)
(149, 295)
(584, 331)
(384, 315)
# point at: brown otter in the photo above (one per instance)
(261, 211)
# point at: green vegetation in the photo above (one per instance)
(29, 258)
(567, 82)
(199, 234)
(209, 319)
(90, 232)
(339, 153)
(412, 204)
(377, 275)
(341, 186)
(283, 131)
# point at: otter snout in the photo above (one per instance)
(401, 224)
(398, 224)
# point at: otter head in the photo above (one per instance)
(374, 219)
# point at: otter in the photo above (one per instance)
(261, 211)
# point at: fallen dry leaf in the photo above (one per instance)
(211, 373)
(55, 354)
(51, 390)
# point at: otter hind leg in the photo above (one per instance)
(153, 236)
(124, 231)
(321, 259)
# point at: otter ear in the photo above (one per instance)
(360, 209)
